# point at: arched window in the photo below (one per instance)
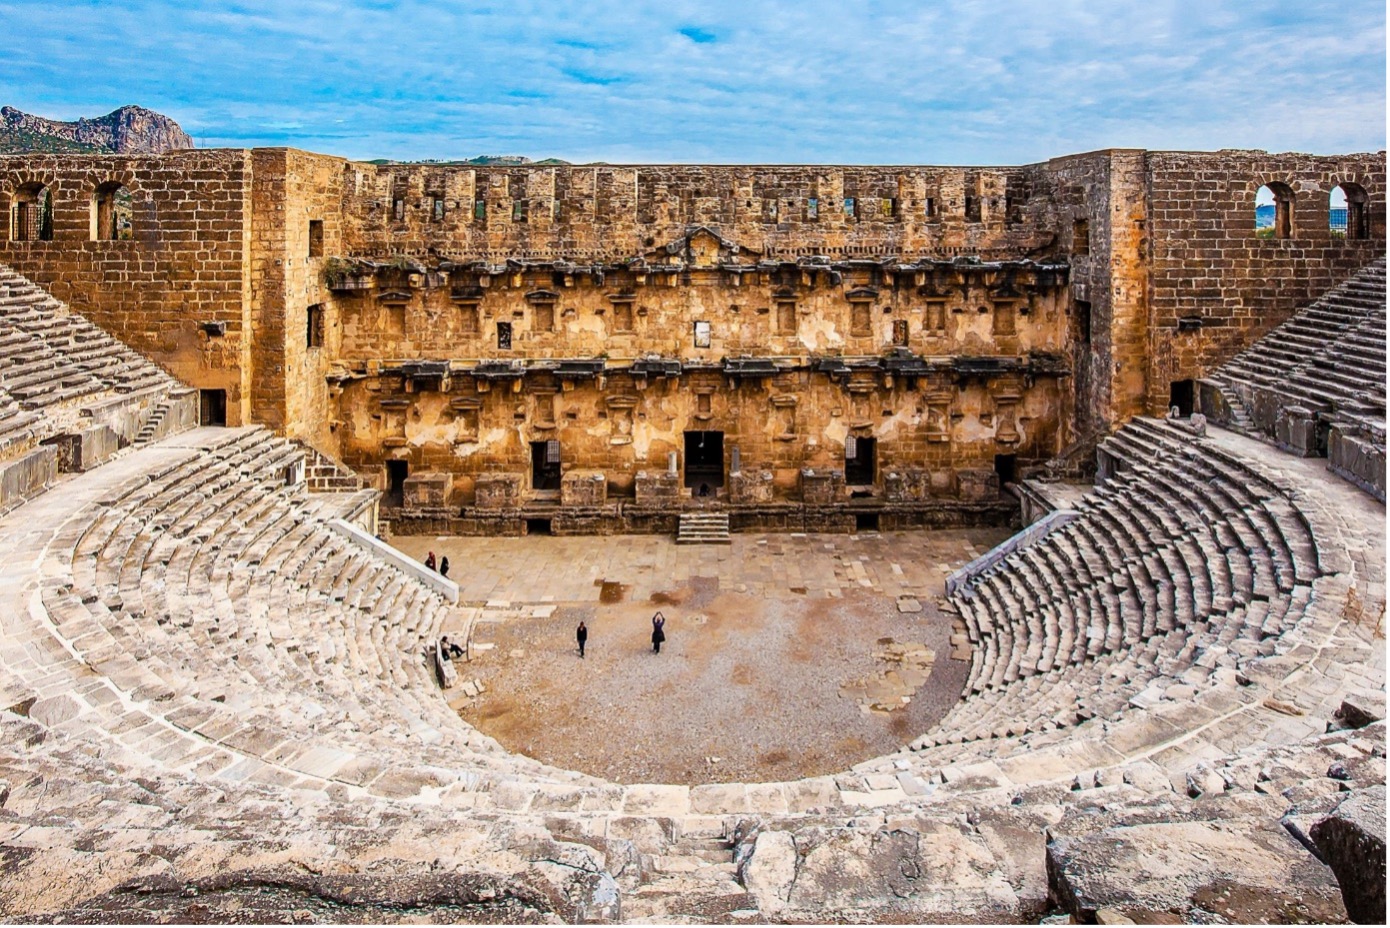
(1274, 211)
(1347, 216)
(31, 214)
(112, 213)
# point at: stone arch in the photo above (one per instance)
(1348, 214)
(113, 214)
(1279, 223)
(31, 212)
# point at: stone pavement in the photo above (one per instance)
(545, 569)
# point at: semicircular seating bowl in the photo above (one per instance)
(203, 658)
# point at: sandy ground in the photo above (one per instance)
(747, 686)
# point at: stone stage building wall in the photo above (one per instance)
(438, 327)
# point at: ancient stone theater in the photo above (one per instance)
(230, 379)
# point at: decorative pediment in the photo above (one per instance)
(394, 296)
(862, 295)
(701, 246)
(542, 296)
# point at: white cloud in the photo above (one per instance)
(958, 81)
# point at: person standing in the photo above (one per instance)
(581, 634)
(429, 560)
(444, 566)
(658, 632)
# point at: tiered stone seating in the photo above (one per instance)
(50, 355)
(1184, 563)
(204, 588)
(1330, 355)
(207, 691)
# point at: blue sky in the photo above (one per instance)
(955, 82)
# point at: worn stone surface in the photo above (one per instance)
(1351, 838)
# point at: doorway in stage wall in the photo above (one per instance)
(545, 465)
(860, 455)
(396, 472)
(704, 462)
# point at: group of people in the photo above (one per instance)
(443, 566)
(581, 634)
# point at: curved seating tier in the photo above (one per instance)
(204, 688)
(50, 355)
(1330, 355)
(1182, 566)
(201, 589)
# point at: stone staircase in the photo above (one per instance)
(703, 528)
(150, 430)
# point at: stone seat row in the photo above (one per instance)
(1176, 557)
(49, 355)
(206, 588)
(1329, 353)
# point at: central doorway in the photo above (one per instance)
(859, 461)
(545, 465)
(704, 462)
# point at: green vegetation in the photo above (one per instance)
(22, 141)
(336, 271)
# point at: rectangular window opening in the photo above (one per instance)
(316, 238)
(1081, 237)
(314, 325)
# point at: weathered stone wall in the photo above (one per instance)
(1208, 266)
(785, 312)
(347, 304)
(292, 190)
(186, 264)
(586, 213)
(622, 425)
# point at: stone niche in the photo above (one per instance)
(904, 486)
(498, 491)
(583, 488)
(751, 486)
(658, 488)
(426, 491)
(822, 487)
(977, 486)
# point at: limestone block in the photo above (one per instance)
(585, 488)
(751, 486)
(1352, 841)
(1295, 429)
(427, 491)
(657, 487)
(1242, 870)
(769, 873)
(498, 491)
(822, 487)
(1361, 709)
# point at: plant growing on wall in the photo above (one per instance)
(336, 271)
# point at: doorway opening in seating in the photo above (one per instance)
(704, 462)
(212, 407)
(860, 458)
(396, 472)
(538, 526)
(1182, 395)
(866, 521)
(545, 465)
(1006, 466)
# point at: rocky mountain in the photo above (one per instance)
(128, 130)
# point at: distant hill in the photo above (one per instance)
(125, 131)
